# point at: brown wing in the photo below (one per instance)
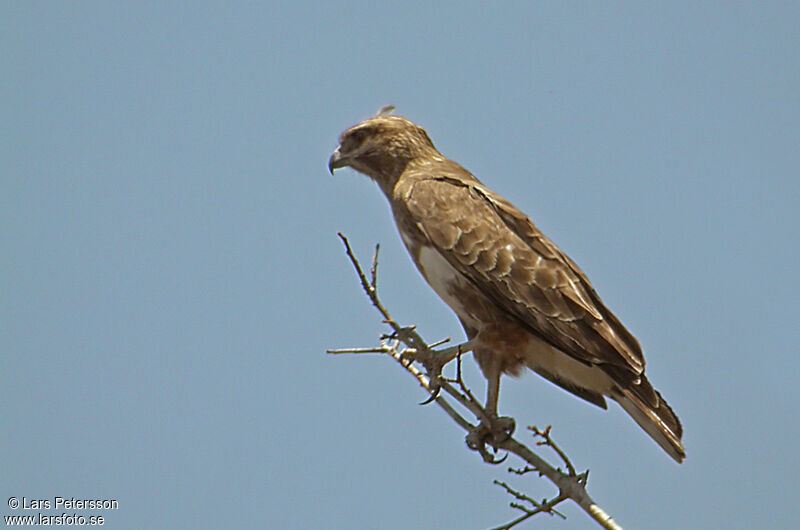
(503, 254)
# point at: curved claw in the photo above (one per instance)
(496, 432)
(480, 447)
(434, 385)
(433, 396)
(493, 461)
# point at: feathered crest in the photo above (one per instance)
(384, 111)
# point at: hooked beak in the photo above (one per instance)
(336, 161)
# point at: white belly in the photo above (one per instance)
(443, 278)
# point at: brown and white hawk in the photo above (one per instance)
(520, 299)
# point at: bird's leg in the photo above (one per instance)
(492, 429)
(503, 426)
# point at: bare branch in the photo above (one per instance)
(357, 350)
(521, 471)
(548, 441)
(571, 485)
(546, 506)
(373, 271)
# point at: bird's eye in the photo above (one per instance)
(358, 136)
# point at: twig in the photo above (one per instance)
(548, 441)
(357, 350)
(570, 485)
(546, 506)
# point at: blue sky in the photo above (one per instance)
(171, 275)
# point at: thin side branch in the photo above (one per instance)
(570, 485)
(548, 442)
(546, 506)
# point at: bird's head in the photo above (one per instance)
(381, 147)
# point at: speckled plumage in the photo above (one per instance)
(526, 301)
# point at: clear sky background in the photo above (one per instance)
(171, 276)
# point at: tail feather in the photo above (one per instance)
(646, 406)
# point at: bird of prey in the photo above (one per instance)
(521, 300)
